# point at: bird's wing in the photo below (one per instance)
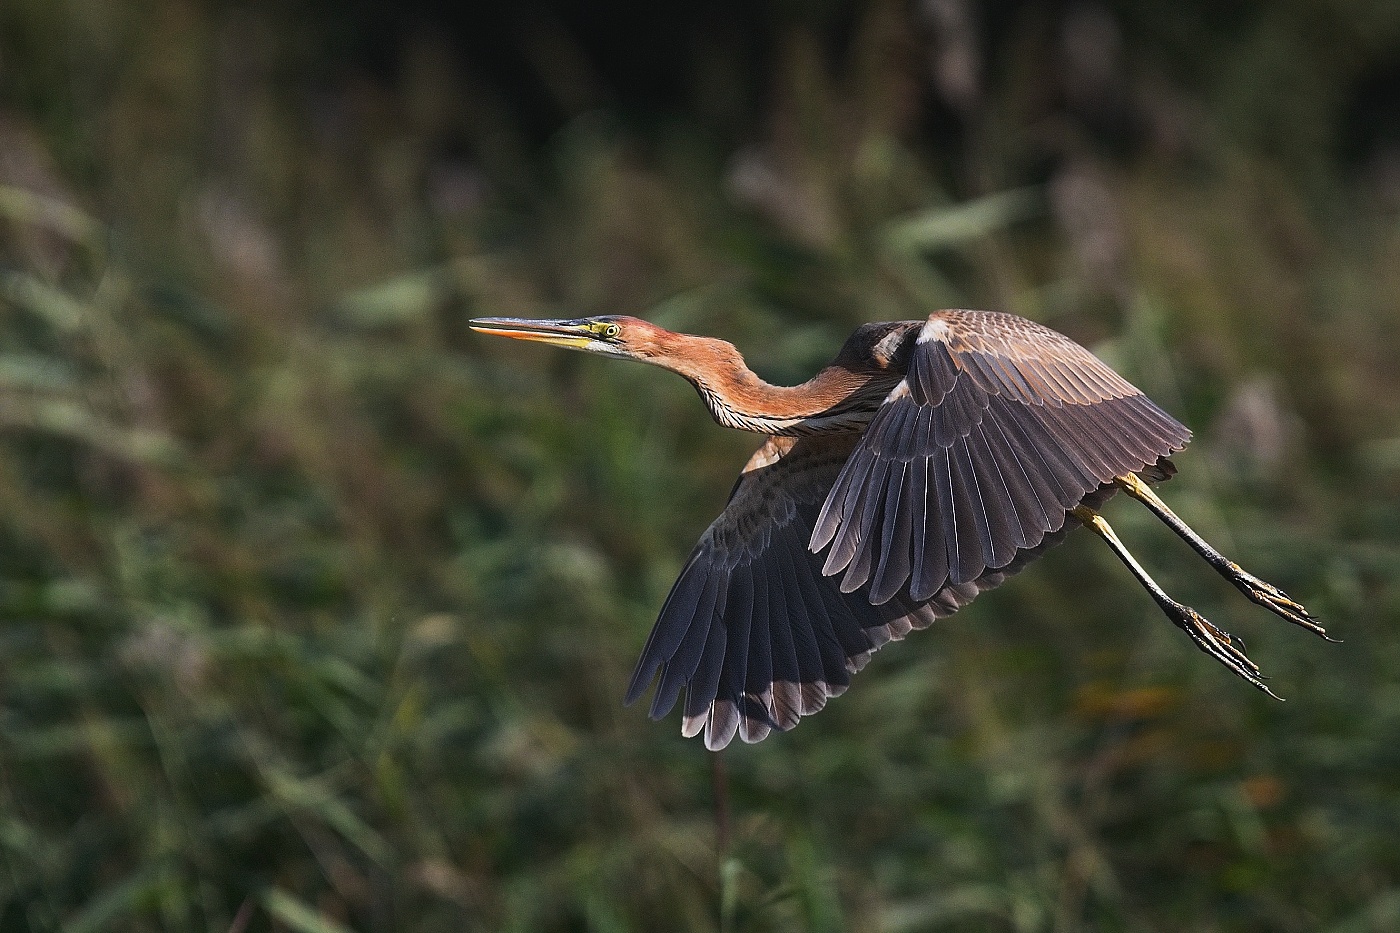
(752, 629)
(998, 429)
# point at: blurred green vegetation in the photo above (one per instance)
(317, 609)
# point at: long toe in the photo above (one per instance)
(1219, 633)
(1217, 643)
(1278, 602)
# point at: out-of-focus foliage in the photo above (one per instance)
(315, 608)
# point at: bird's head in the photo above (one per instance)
(611, 335)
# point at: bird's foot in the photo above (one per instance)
(1217, 643)
(1276, 601)
(1219, 633)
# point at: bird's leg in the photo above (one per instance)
(1214, 641)
(1261, 592)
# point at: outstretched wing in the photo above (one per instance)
(753, 630)
(999, 428)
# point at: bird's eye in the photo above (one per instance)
(612, 330)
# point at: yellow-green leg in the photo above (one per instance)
(1213, 641)
(1261, 592)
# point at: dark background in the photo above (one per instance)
(316, 608)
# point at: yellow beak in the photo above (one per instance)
(559, 333)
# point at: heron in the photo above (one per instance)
(927, 463)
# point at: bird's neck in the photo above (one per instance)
(834, 399)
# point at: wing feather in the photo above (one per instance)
(833, 653)
(677, 612)
(1007, 533)
(1076, 443)
(897, 544)
(866, 542)
(934, 373)
(813, 668)
(705, 682)
(787, 670)
(1039, 450)
(681, 666)
(737, 619)
(1028, 496)
(920, 506)
(758, 683)
(966, 562)
(941, 551)
(753, 631)
(1015, 425)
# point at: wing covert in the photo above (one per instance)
(999, 428)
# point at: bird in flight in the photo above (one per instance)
(929, 462)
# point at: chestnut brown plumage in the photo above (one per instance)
(926, 464)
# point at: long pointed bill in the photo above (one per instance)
(560, 333)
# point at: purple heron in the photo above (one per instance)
(926, 464)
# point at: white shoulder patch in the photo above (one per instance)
(888, 344)
(935, 329)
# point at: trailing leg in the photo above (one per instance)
(1213, 641)
(1260, 591)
